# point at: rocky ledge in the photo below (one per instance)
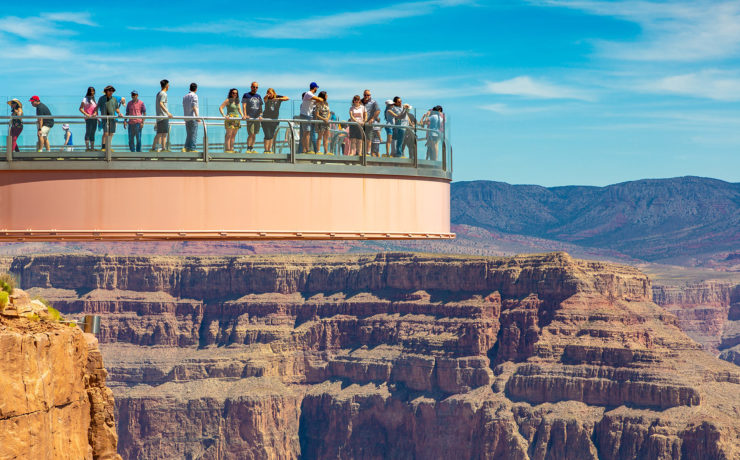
(54, 402)
(395, 356)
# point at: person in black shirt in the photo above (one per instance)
(44, 124)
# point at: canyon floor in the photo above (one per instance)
(395, 355)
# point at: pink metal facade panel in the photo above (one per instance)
(53, 204)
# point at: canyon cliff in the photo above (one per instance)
(707, 310)
(54, 403)
(394, 356)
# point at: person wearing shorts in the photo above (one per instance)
(373, 115)
(233, 115)
(357, 115)
(322, 114)
(389, 146)
(163, 124)
(252, 109)
(44, 124)
(108, 106)
(272, 111)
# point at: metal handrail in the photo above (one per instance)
(214, 120)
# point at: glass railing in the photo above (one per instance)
(284, 140)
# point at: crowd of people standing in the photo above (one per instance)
(315, 123)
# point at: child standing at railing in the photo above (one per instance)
(67, 138)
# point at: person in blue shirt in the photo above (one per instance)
(68, 143)
(252, 109)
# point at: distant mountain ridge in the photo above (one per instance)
(650, 219)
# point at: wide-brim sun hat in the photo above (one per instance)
(10, 102)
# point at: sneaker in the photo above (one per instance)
(39, 151)
(329, 153)
(184, 150)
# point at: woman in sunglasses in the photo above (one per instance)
(233, 115)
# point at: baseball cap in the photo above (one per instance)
(134, 92)
(313, 85)
(65, 126)
(34, 98)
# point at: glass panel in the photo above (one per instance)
(413, 141)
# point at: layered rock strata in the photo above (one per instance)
(54, 403)
(708, 311)
(395, 356)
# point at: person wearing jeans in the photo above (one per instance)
(398, 112)
(190, 109)
(135, 107)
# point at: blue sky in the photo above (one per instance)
(539, 92)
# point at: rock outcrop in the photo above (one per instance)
(54, 402)
(708, 311)
(394, 355)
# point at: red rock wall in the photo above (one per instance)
(395, 355)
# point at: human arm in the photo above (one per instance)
(221, 107)
(195, 107)
(283, 98)
(82, 109)
(243, 109)
(376, 116)
(164, 109)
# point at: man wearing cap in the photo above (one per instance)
(134, 108)
(44, 124)
(108, 106)
(307, 107)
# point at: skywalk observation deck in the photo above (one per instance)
(70, 193)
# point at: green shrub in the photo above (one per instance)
(54, 313)
(4, 297)
(7, 282)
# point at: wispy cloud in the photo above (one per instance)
(331, 25)
(505, 109)
(83, 19)
(44, 25)
(528, 87)
(709, 84)
(671, 31)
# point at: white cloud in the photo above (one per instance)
(330, 25)
(528, 87)
(504, 109)
(34, 27)
(80, 18)
(671, 31)
(709, 84)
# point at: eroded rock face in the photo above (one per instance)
(708, 311)
(395, 355)
(54, 402)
